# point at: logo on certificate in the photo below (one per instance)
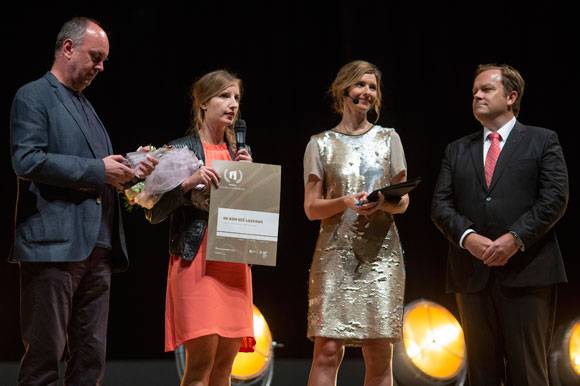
(233, 176)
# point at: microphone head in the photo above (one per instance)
(354, 100)
(240, 130)
(240, 125)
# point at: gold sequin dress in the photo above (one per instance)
(357, 277)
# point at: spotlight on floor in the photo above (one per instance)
(565, 355)
(256, 368)
(432, 352)
(249, 369)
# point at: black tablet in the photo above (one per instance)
(395, 192)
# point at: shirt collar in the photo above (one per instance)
(503, 131)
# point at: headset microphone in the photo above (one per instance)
(354, 100)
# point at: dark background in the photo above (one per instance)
(287, 54)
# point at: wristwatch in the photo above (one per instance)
(518, 241)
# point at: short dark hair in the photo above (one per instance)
(511, 79)
(74, 29)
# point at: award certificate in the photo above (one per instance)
(244, 213)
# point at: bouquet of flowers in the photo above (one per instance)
(175, 165)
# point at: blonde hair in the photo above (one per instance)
(207, 87)
(347, 76)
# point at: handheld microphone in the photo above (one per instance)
(355, 100)
(240, 130)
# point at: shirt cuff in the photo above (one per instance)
(464, 236)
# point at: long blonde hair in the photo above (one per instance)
(347, 76)
(207, 87)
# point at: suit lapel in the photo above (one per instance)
(507, 153)
(476, 150)
(66, 100)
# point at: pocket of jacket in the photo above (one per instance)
(51, 224)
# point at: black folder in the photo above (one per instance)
(395, 192)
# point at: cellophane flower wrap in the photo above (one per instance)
(175, 165)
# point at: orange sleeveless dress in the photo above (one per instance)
(208, 297)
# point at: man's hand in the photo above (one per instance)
(476, 244)
(116, 171)
(500, 250)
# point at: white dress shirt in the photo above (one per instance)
(504, 133)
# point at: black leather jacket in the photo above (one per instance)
(187, 223)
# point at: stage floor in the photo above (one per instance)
(287, 372)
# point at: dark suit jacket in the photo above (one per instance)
(60, 180)
(528, 195)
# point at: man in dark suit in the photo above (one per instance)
(499, 194)
(68, 231)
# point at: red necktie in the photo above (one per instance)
(492, 156)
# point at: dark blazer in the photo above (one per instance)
(528, 195)
(58, 213)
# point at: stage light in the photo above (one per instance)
(249, 369)
(256, 368)
(565, 355)
(432, 352)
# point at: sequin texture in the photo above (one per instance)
(357, 277)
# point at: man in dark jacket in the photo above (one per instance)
(499, 194)
(68, 231)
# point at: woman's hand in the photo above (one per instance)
(205, 176)
(353, 201)
(393, 207)
(243, 155)
(146, 166)
(364, 207)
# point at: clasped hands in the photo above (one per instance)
(492, 253)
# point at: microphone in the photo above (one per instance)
(355, 100)
(240, 130)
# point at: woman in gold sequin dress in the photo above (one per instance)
(357, 277)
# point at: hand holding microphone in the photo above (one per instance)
(240, 130)
(242, 153)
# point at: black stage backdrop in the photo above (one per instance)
(287, 53)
